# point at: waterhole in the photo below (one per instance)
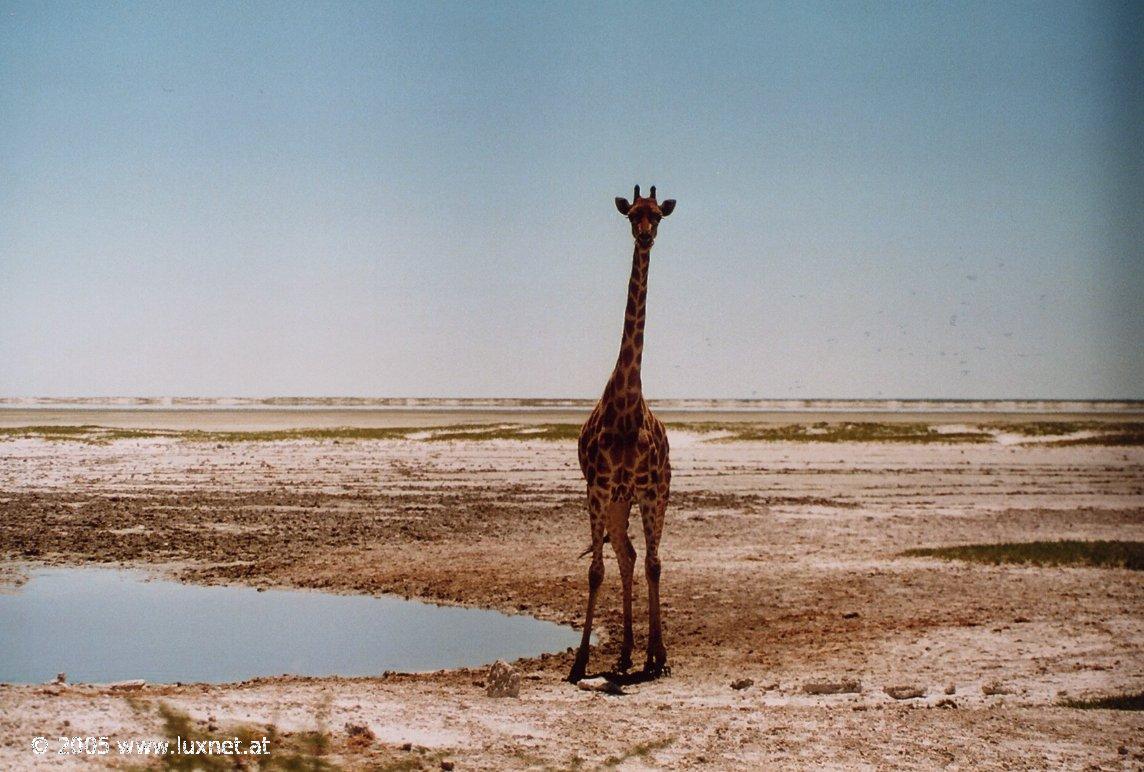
(100, 625)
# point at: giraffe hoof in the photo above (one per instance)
(623, 664)
(577, 673)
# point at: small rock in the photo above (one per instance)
(995, 687)
(843, 687)
(1122, 750)
(407, 746)
(61, 678)
(905, 692)
(447, 765)
(946, 703)
(599, 685)
(502, 680)
(127, 686)
(742, 683)
(850, 615)
(359, 731)
(951, 689)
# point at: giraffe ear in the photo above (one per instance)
(623, 205)
(667, 207)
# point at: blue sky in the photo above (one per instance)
(895, 200)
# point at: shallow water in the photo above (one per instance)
(102, 625)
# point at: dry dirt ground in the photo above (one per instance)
(781, 565)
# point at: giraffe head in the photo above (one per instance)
(644, 215)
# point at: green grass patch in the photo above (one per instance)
(1042, 428)
(472, 432)
(824, 431)
(82, 433)
(1105, 432)
(1115, 702)
(49, 432)
(130, 434)
(553, 432)
(1062, 428)
(1104, 554)
(278, 435)
(298, 751)
(1111, 439)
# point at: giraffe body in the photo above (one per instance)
(623, 453)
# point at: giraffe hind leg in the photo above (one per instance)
(595, 579)
(617, 525)
(652, 508)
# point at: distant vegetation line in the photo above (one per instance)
(1050, 433)
(760, 404)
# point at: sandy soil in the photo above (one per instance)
(780, 565)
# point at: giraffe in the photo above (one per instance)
(624, 457)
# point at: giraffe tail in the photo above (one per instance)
(585, 552)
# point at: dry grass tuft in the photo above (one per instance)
(1103, 554)
(1115, 702)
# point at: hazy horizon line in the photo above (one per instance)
(285, 398)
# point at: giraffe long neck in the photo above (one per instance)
(625, 389)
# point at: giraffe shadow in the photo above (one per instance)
(628, 679)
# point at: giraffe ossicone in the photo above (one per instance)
(623, 454)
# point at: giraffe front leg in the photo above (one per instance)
(595, 579)
(618, 514)
(652, 516)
